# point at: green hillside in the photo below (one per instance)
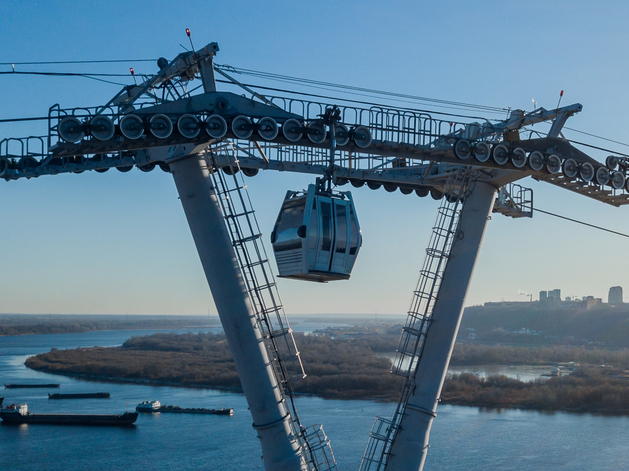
(536, 324)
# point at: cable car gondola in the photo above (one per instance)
(316, 236)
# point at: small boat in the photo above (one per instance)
(19, 414)
(17, 385)
(155, 406)
(148, 406)
(102, 395)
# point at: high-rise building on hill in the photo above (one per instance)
(615, 295)
(555, 295)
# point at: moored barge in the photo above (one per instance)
(102, 395)
(155, 406)
(27, 385)
(19, 414)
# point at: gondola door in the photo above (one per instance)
(339, 251)
(324, 245)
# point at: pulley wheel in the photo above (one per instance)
(422, 192)
(570, 168)
(553, 164)
(161, 126)
(463, 149)
(482, 151)
(611, 162)
(26, 163)
(132, 126)
(242, 127)
(147, 167)
(70, 129)
(518, 157)
(586, 172)
(500, 154)
(229, 170)
(97, 160)
(436, 194)
(268, 129)
(188, 126)
(316, 132)
(536, 161)
(617, 180)
(102, 128)
(292, 130)
(602, 176)
(362, 137)
(341, 135)
(216, 126)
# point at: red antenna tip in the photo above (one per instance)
(561, 94)
(132, 71)
(188, 31)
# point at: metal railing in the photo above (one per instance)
(515, 201)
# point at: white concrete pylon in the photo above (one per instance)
(280, 449)
(409, 448)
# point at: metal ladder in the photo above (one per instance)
(260, 283)
(411, 343)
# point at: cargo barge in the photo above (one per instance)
(19, 414)
(16, 386)
(103, 395)
(155, 406)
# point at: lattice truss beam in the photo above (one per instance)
(395, 148)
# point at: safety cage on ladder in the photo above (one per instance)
(316, 236)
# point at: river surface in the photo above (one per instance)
(462, 439)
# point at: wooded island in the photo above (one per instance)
(357, 368)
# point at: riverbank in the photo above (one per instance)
(587, 389)
(337, 368)
(24, 324)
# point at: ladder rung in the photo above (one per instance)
(257, 289)
(255, 264)
(413, 331)
(229, 190)
(237, 215)
(247, 239)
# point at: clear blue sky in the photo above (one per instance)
(119, 243)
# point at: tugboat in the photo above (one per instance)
(19, 414)
(148, 406)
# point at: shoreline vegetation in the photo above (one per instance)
(20, 324)
(356, 367)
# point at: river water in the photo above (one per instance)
(463, 438)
